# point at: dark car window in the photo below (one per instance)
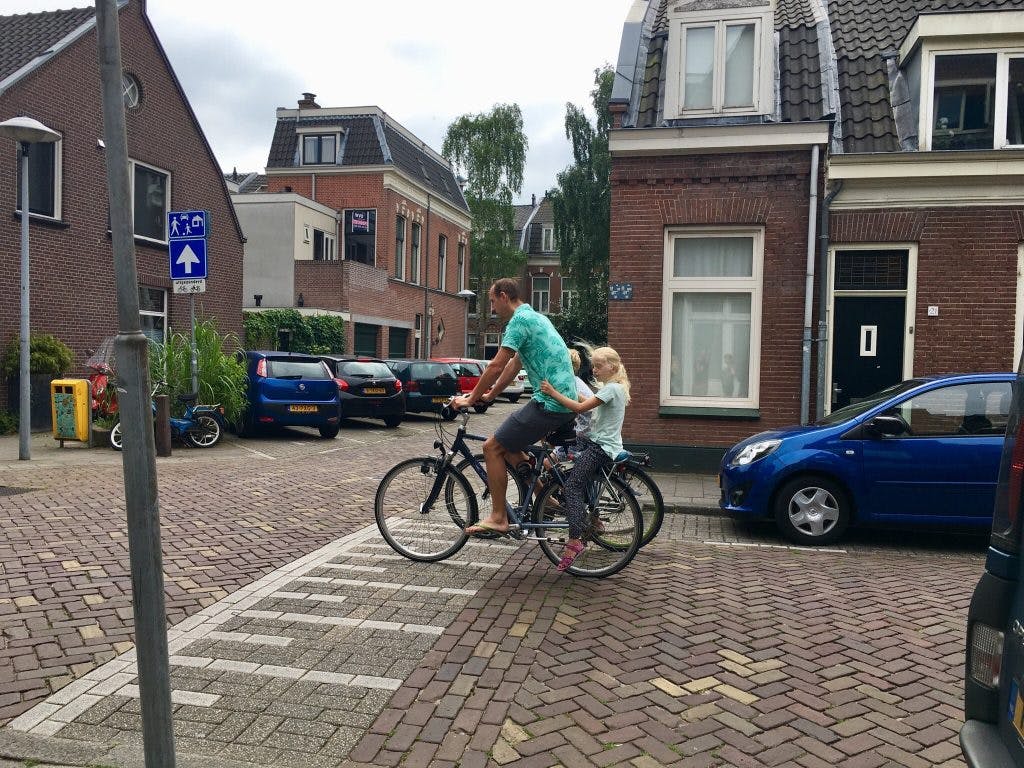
(297, 369)
(962, 409)
(862, 406)
(429, 370)
(370, 370)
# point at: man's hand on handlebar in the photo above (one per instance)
(462, 401)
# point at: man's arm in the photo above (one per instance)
(490, 375)
(512, 367)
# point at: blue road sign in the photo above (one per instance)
(185, 225)
(188, 259)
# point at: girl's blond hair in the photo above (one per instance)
(609, 355)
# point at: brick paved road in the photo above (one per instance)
(717, 647)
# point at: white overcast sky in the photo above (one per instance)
(424, 63)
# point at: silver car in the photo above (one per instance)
(519, 386)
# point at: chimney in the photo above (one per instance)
(308, 101)
(533, 201)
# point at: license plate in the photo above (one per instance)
(302, 408)
(374, 391)
(440, 400)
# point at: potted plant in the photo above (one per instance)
(49, 358)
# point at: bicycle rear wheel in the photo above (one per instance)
(612, 532)
(413, 529)
(648, 495)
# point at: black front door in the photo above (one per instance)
(867, 347)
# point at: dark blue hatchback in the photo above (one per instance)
(289, 389)
(923, 452)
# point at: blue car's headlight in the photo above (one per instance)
(754, 452)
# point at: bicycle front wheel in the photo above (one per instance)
(648, 495)
(515, 491)
(417, 530)
(612, 531)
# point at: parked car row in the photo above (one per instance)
(290, 389)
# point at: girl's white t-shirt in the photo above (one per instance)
(606, 426)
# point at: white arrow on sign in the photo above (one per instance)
(188, 258)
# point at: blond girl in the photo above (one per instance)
(600, 447)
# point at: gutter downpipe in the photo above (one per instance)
(823, 292)
(805, 364)
(426, 325)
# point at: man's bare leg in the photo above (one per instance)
(497, 484)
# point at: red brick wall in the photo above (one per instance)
(72, 289)
(373, 291)
(650, 194)
(966, 265)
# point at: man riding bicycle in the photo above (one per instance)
(530, 342)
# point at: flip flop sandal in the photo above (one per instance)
(569, 555)
(484, 531)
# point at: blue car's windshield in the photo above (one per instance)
(862, 406)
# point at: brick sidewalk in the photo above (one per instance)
(717, 646)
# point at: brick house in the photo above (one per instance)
(49, 71)
(395, 246)
(811, 199)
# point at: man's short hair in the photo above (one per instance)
(507, 285)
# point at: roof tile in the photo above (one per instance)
(27, 35)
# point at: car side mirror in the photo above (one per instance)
(887, 426)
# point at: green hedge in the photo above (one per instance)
(47, 354)
(313, 334)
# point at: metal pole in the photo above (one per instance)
(195, 359)
(139, 454)
(425, 326)
(25, 388)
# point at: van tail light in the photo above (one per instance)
(413, 386)
(985, 655)
(398, 386)
(261, 367)
(342, 385)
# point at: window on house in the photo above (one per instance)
(414, 255)
(400, 247)
(442, 258)
(720, 66)
(547, 239)
(977, 100)
(462, 267)
(323, 246)
(151, 196)
(153, 313)
(361, 236)
(44, 176)
(319, 150)
(567, 294)
(712, 302)
(541, 297)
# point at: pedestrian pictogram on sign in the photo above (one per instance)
(186, 246)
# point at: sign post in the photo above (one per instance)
(186, 246)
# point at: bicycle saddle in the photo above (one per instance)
(190, 397)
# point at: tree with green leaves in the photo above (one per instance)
(582, 206)
(489, 150)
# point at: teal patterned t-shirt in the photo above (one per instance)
(543, 354)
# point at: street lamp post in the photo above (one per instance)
(466, 294)
(26, 132)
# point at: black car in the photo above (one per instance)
(367, 388)
(289, 389)
(993, 734)
(426, 384)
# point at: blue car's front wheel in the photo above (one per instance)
(812, 510)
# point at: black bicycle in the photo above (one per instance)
(423, 504)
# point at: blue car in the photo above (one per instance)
(923, 452)
(289, 389)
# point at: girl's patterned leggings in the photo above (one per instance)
(589, 458)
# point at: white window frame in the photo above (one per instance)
(442, 261)
(153, 313)
(1003, 55)
(167, 197)
(763, 79)
(754, 285)
(547, 239)
(58, 183)
(568, 294)
(400, 249)
(330, 245)
(415, 246)
(540, 300)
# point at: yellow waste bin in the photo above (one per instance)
(69, 405)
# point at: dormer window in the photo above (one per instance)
(319, 149)
(719, 64)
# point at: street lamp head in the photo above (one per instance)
(26, 130)
(465, 293)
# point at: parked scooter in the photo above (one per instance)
(201, 426)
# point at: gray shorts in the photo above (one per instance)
(528, 425)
